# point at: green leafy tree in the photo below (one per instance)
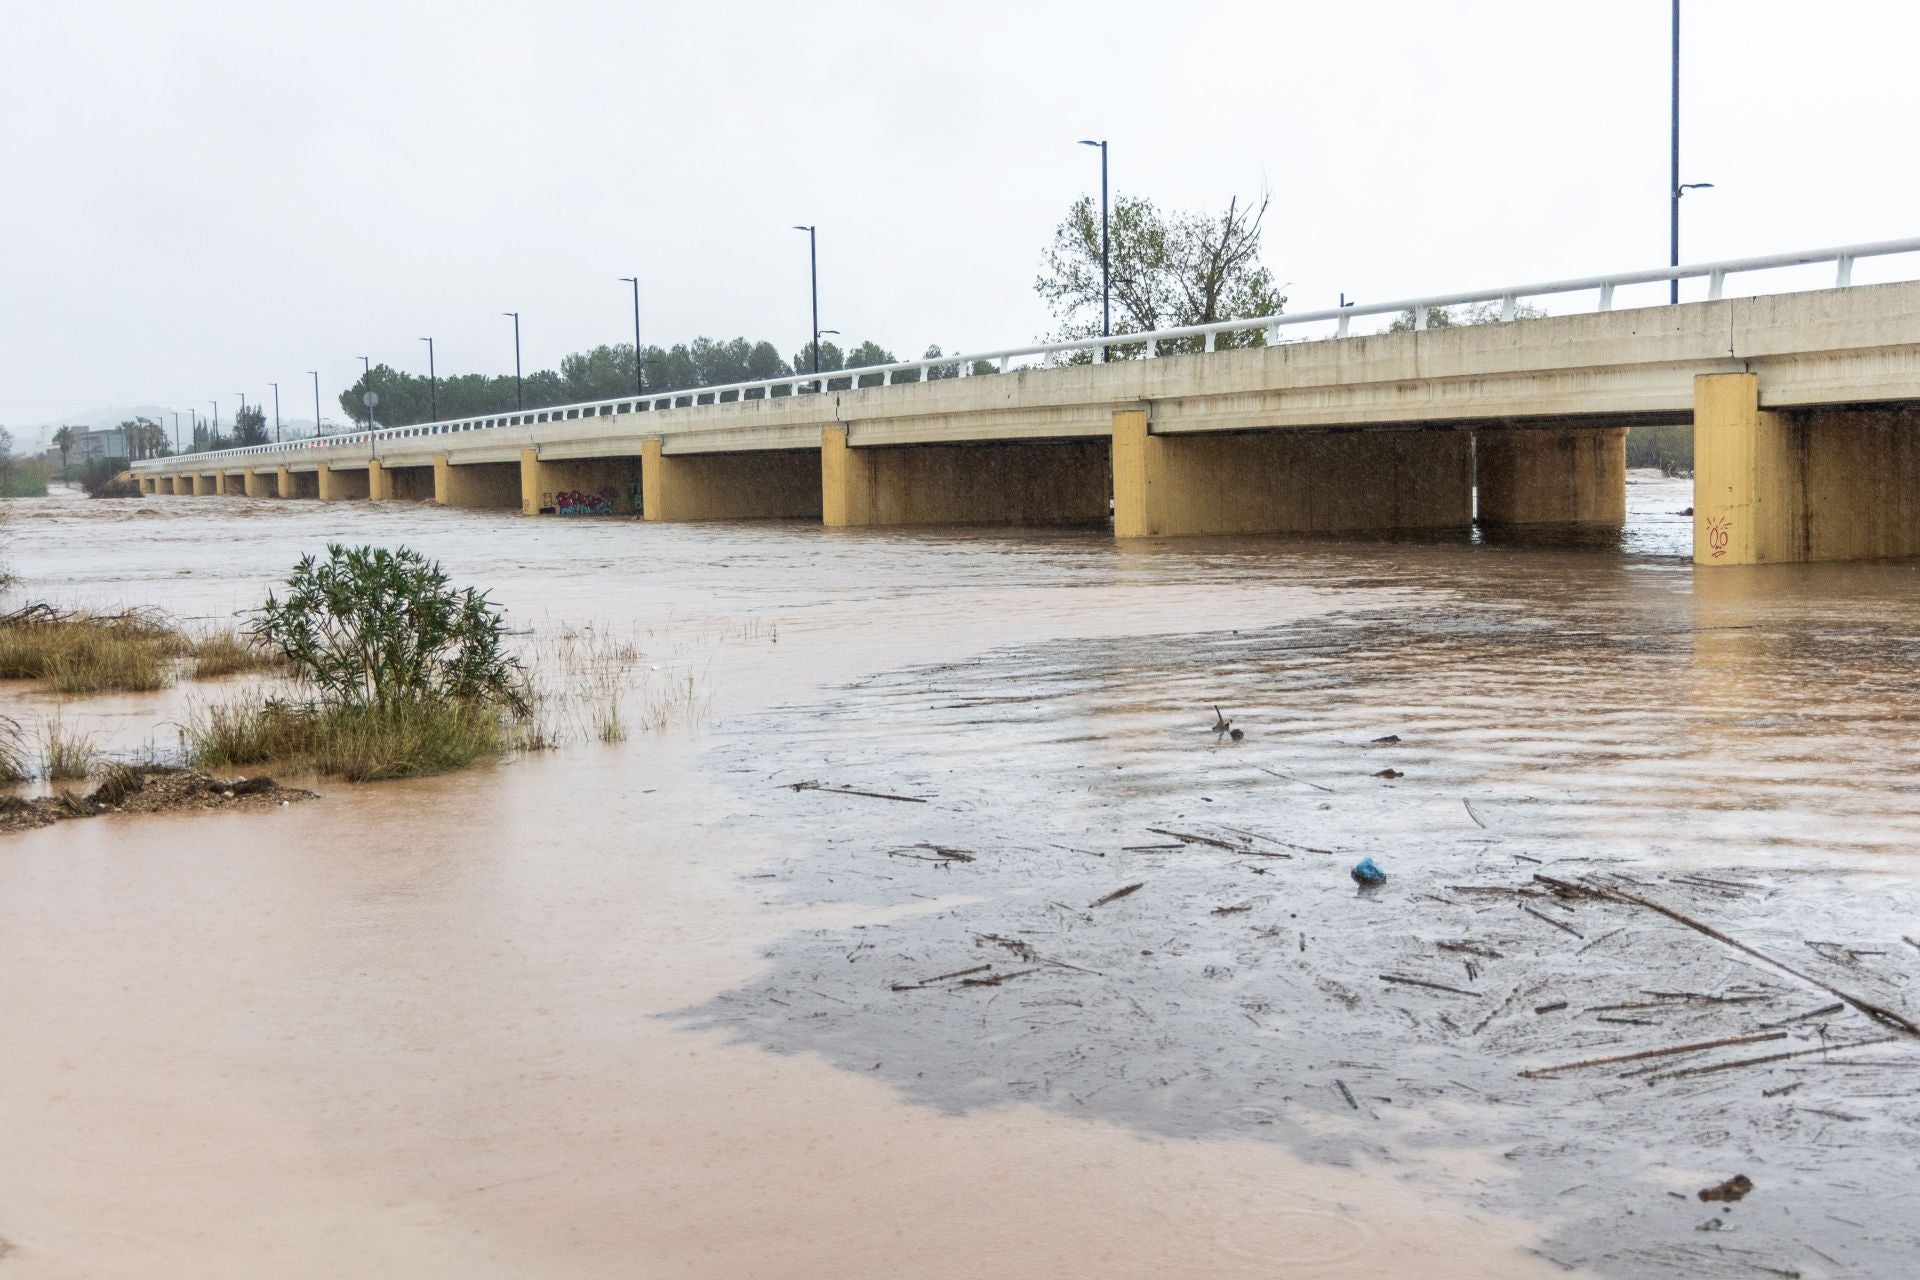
(64, 439)
(250, 426)
(1168, 271)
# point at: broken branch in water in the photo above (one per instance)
(1550, 920)
(1433, 986)
(996, 979)
(1473, 815)
(1346, 1093)
(1771, 1057)
(927, 982)
(850, 791)
(1185, 838)
(1756, 1038)
(1877, 1012)
(932, 853)
(1290, 778)
(1119, 893)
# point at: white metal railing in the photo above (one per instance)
(1843, 257)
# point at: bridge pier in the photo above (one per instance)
(1794, 485)
(767, 484)
(204, 484)
(1551, 475)
(403, 484)
(1023, 482)
(579, 486)
(259, 484)
(475, 484)
(342, 485)
(1287, 481)
(299, 484)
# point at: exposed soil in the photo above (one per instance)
(148, 789)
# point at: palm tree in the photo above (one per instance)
(65, 439)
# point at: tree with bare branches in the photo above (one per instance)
(1168, 271)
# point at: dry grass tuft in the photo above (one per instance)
(229, 653)
(89, 653)
(65, 756)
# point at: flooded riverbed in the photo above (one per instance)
(647, 1009)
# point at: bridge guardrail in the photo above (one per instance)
(1842, 256)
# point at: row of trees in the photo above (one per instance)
(607, 373)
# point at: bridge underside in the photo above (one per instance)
(1805, 411)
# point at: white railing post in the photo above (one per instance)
(1506, 308)
(1606, 296)
(1843, 274)
(1153, 348)
(1419, 316)
(1716, 283)
(1345, 320)
(1210, 343)
(1273, 334)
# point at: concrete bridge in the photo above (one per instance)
(1805, 409)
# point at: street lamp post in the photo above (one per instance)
(276, 411)
(519, 399)
(813, 270)
(639, 383)
(214, 430)
(176, 429)
(1676, 188)
(1106, 272)
(316, 400)
(240, 414)
(433, 385)
(366, 384)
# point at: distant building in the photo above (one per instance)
(90, 443)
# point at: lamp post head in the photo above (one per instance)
(808, 230)
(1089, 142)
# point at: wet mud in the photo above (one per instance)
(147, 789)
(1119, 912)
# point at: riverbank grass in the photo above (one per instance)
(362, 744)
(89, 653)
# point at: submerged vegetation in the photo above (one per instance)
(134, 651)
(1668, 448)
(396, 673)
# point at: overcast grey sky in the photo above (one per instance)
(203, 197)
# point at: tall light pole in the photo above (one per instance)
(366, 384)
(276, 411)
(215, 429)
(519, 400)
(639, 384)
(1676, 188)
(316, 400)
(433, 384)
(176, 429)
(240, 414)
(1106, 273)
(813, 269)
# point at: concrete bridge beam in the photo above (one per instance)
(1287, 481)
(579, 486)
(1023, 482)
(1795, 485)
(768, 484)
(480, 485)
(1551, 475)
(341, 485)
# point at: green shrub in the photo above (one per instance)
(369, 627)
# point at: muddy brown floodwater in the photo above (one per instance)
(834, 982)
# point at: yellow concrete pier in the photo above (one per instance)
(769, 484)
(1551, 475)
(1783, 486)
(476, 484)
(260, 484)
(341, 484)
(1023, 482)
(579, 486)
(1287, 481)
